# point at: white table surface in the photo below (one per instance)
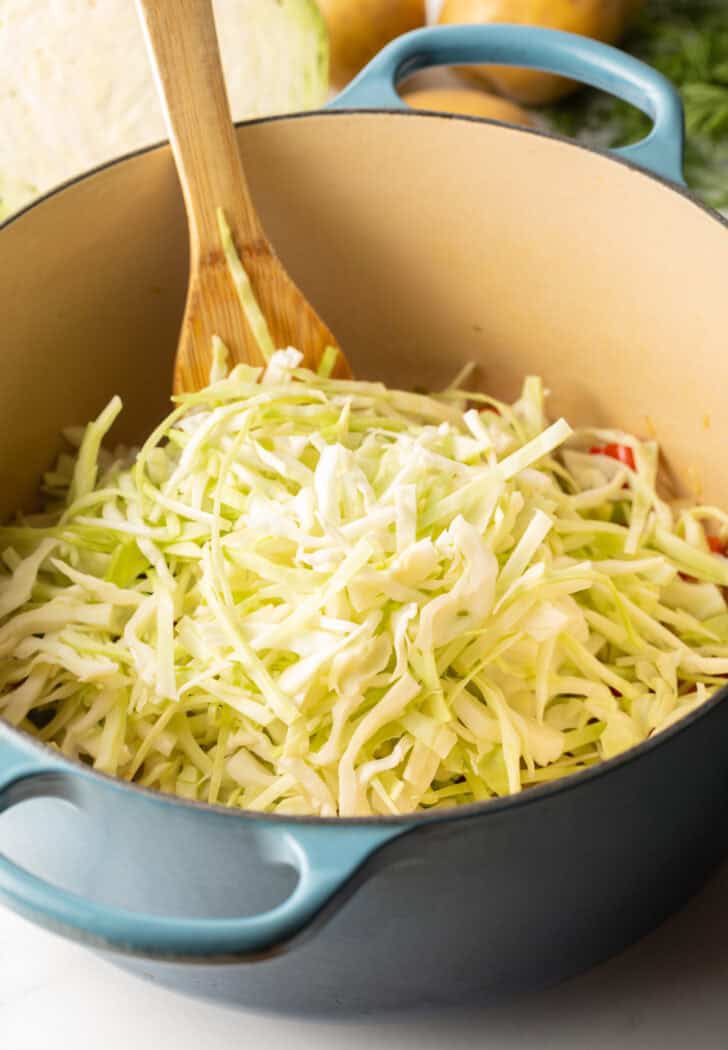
(670, 992)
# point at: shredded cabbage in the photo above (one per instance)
(305, 595)
(308, 595)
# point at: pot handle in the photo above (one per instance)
(326, 858)
(567, 54)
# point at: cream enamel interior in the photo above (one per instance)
(424, 242)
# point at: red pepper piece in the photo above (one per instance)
(716, 545)
(622, 453)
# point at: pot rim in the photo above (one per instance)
(491, 807)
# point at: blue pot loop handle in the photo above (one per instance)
(325, 856)
(566, 54)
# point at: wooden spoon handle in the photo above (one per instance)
(185, 56)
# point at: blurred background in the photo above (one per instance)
(76, 90)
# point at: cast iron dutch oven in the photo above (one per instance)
(425, 241)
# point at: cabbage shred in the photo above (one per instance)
(306, 595)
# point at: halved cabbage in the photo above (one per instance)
(77, 89)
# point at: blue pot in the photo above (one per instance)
(308, 915)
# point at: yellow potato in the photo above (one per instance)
(470, 103)
(604, 20)
(358, 29)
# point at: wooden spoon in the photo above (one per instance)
(185, 56)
